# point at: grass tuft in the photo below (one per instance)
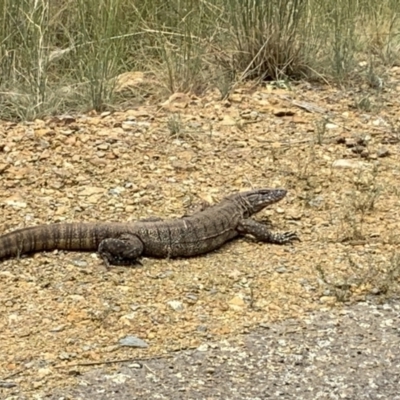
(66, 55)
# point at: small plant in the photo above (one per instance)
(373, 79)
(361, 201)
(351, 228)
(367, 276)
(24, 58)
(267, 39)
(344, 39)
(174, 125)
(305, 169)
(320, 129)
(340, 290)
(364, 104)
(368, 190)
(392, 279)
(225, 82)
(98, 52)
(185, 69)
(365, 202)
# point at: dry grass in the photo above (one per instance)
(193, 47)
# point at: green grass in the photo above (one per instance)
(65, 55)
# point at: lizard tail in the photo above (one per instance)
(63, 236)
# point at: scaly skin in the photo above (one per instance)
(124, 243)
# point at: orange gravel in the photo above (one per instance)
(63, 311)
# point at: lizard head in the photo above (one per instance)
(255, 200)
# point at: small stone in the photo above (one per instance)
(133, 341)
(327, 299)
(66, 132)
(176, 305)
(191, 297)
(330, 126)
(358, 149)
(364, 153)
(295, 215)
(42, 372)
(283, 113)
(7, 385)
(76, 297)
(252, 115)
(203, 347)
(80, 263)
(66, 356)
(316, 201)
(228, 121)
(202, 328)
(350, 142)
(235, 98)
(58, 328)
(343, 163)
(3, 167)
(236, 303)
(15, 201)
(135, 365)
(378, 122)
(90, 190)
(376, 291)
(117, 190)
(383, 152)
(127, 319)
(237, 300)
(128, 125)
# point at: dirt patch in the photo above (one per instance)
(345, 353)
(340, 164)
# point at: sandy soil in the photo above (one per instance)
(61, 312)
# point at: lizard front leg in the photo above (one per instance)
(263, 234)
(124, 250)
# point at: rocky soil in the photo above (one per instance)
(63, 314)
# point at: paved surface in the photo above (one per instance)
(352, 353)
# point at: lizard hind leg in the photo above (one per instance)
(123, 250)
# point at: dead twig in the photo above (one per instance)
(108, 362)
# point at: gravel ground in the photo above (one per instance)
(60, 311)
(351, 353)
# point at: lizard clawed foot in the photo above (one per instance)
(286, 237)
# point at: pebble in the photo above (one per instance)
(383, 152)
(330, 126)
(344, 163)
(176, 305)
(203, 347)
(133, 341)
